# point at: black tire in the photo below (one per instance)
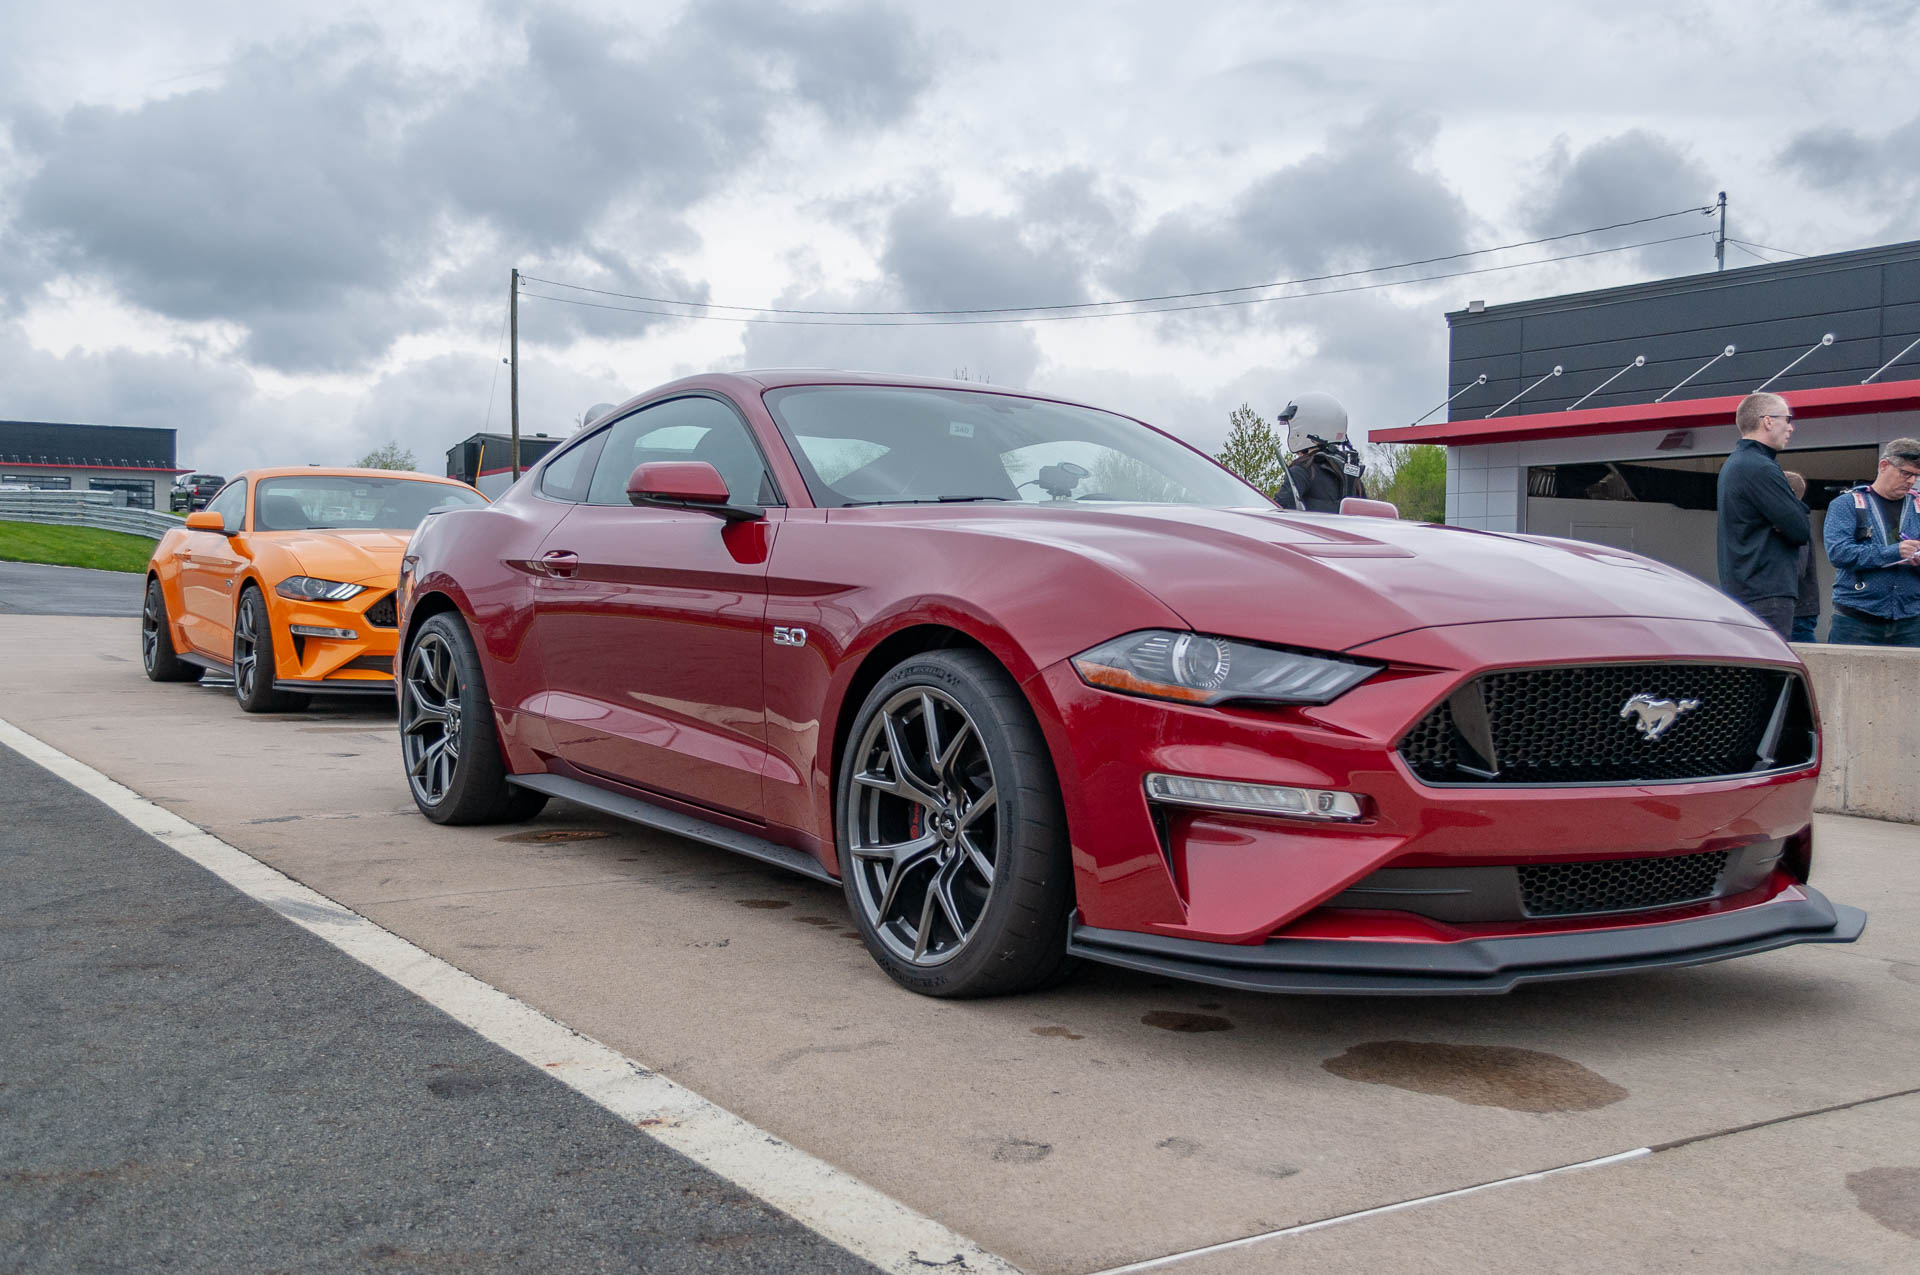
(952, 844)
(156, 640)
(449, 744)
(254, 661)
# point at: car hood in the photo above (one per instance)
(359, 557)
(1334, 582)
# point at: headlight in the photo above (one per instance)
(1196, 669)
(308, 589)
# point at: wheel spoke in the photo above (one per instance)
(921, 792)
(941, 888)
(925, 931)
(980, 862)
(979, 806)
(945, 766)
(903, 859)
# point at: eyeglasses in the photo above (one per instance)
(1907, 473)
(1777, 416)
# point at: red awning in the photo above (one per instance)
(1632, 418)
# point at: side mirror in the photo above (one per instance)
(687, 484)
(204, 521)
(1369, 508)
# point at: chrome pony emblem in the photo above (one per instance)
(1656, 715)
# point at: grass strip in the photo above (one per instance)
(66, 546)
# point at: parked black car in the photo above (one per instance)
(193, 491)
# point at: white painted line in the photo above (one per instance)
(845, 1210)
(1303, 1228)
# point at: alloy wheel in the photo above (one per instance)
(246, 651)
(923, 826)
(430, 725)
(151, 618)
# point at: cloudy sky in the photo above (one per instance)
(286, 230)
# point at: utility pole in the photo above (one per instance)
(1720, 243)
(513, 380)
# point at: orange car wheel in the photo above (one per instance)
(157, 655)
(253, 660)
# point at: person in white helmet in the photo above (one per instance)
(1325, 468)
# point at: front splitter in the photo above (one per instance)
(1469, 967)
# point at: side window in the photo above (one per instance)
(683, 429)
(231, 505)
(565, 476)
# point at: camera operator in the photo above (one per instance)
(1326, 469)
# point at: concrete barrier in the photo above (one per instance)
(1869, 699)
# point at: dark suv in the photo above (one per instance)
(193, 491)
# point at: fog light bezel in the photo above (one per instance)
(321, 631)
(1243, 797)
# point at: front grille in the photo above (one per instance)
(382, 613)
(371, 663)
(1618, 885)
(1571, 725)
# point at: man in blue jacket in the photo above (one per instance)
(1761, 525)
(1873, 540)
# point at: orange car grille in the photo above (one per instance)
(382, 614)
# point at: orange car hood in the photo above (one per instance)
(358, 557)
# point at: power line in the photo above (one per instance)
(1111, 314)
(1094, 305)
(1750, 252)
(1747, 243)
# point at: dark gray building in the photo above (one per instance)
(136, 461)
(1627, 453)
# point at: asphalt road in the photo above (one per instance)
(30, 588)
(1756, 1115)
(193, 1083)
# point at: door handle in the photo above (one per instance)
(560, 563)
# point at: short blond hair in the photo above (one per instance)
(1746, 417)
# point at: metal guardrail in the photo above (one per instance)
(84, 509)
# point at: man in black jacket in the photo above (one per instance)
(1761, 525)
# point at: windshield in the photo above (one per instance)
(328, 502)
(883, 444)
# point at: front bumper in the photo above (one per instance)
(1482, 966)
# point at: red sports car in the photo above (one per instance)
(1035, 682)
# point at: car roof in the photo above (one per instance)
(343, 471)
(752, 382)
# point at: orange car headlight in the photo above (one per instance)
(309, 589)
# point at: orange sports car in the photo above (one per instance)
(285, 582)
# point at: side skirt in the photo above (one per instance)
(649, 815)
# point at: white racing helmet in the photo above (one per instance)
(1314, 415)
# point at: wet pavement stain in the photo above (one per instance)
(764, 905)
(1479, 1075)
(1890, 1196)
(1905, 971)
(1021, 1151)
(547, 836)
(1061, 1032)
(821, 922)
(1177, 1021)
(1182, 1147)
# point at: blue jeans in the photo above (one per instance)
(1804, 627)
(1850, 630)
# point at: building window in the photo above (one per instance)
(139, 490)
(38, 482)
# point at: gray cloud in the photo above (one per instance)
(307, 192)
(1364, 200)
(1879, 169)
(1636, 174)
